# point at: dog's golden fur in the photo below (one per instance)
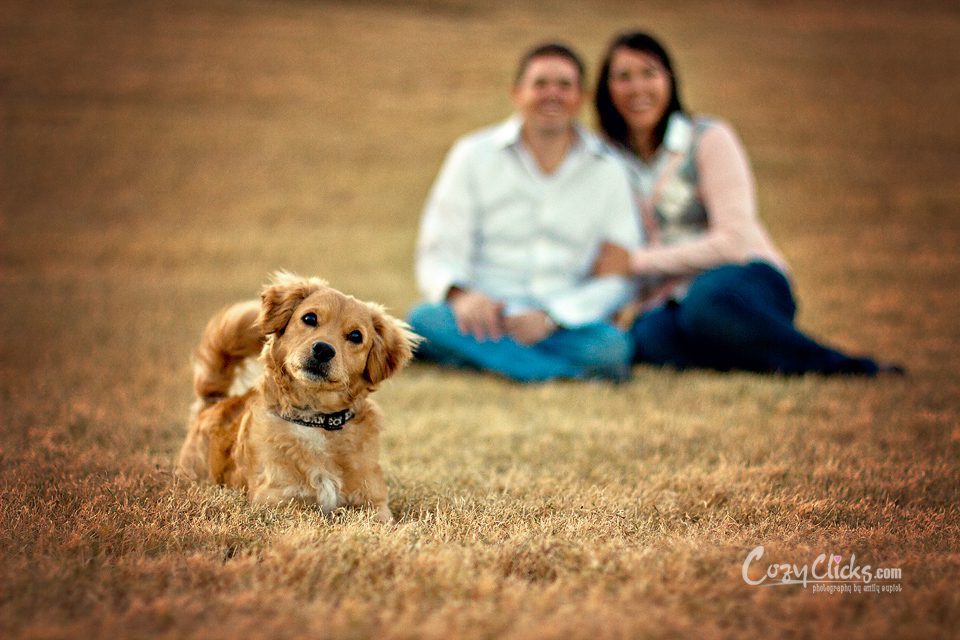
(322, 352)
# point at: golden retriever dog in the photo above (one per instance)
(307, 432)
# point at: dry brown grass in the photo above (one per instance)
(160, 158)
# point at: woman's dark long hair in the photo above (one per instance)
(611, 122)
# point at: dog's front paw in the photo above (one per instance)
(384, 515)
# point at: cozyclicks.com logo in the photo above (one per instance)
(827, 573)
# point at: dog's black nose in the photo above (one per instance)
(323, 352)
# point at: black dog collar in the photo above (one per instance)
(326, 421)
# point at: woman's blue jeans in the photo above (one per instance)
(737, 317)
(594, 351)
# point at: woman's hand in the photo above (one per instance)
(612, 260)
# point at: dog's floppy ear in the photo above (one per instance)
(393, 345)
(281, 298)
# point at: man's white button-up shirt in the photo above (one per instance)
(496, 223)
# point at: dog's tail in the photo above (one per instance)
(229, 339)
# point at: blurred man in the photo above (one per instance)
(510, 230)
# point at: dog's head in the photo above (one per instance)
(324, 344)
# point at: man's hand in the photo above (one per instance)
(477, 314)
(612, 260)
(530, 328)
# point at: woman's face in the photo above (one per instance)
(639, 88)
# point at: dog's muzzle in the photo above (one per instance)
(318, 364)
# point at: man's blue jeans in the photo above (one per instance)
(737, 317)
(594, 351)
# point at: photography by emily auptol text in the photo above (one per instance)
(827, 573)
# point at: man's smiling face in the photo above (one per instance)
(548, 95)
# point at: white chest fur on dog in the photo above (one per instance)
(327, 491)
(295, 465)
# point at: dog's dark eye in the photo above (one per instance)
(355, 337)
(310, 319)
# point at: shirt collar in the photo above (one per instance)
(679, 133)
(508, 134)
(676, 139)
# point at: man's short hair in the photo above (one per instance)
(551, 49)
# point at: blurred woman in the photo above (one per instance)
(716, 290)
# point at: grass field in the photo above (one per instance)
(159, 159)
